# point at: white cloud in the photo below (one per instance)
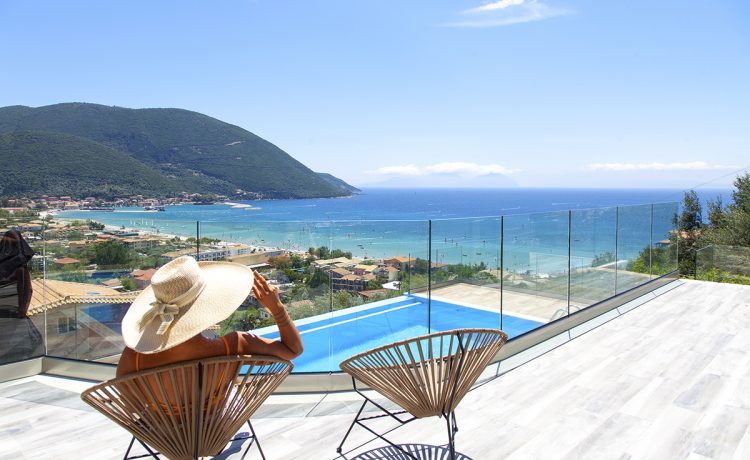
(687, 166)
(464, 169)
(403, 170)
(468, 169)
(500, 5)
(507, 12)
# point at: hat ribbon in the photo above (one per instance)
(166, 311)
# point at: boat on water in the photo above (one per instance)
(154, 208)
(98, 209)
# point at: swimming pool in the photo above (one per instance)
(333, 337)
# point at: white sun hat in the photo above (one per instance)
(185, 298)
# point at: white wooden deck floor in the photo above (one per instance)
(668, 380)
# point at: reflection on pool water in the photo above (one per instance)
(331, 338)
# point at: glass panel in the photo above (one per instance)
(535, 259)
(465, 274)
(372, 305)
(727, 264)
(593, 249)
(295, 256)
(20, 327)
(633, 246)
(663, 246)
(92, 274)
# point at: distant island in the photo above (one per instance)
(90, 150)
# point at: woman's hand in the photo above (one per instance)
(267, 295)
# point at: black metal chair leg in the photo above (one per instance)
(254, 439)
(151, 453)
(451, 444)
(354, 422)
(130, 446)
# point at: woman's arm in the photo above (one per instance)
(290, 345)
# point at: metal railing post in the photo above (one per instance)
(570, 216)
(197, 240)
(651, 246)
(502, 266)
(429, 276)
(617, 243)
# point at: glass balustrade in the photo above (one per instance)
(593, 264)
(348, 285)
(633, 246)
(465, 274)
(535, 267)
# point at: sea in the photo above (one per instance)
(529, 229)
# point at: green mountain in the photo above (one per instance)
(187, 150)
(35, 163)
(335, 181)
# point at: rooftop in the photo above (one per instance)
(48, 294)
(668, 379)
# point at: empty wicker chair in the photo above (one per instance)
(191, 409)
(427, 376)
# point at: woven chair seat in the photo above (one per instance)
(190, 409)
(422, 374)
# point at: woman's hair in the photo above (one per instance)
(15, 252)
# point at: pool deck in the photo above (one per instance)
(525, 303)
(667, 380)
(528, 306)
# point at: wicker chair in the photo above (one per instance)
(427, 376)
(191, 409)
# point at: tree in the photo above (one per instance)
(241, 320)
(280, 262)
(716, 213)
(318, 278)
(111, 253)
(741, 194)
(374, 284)
(688, 225)
(93, 225)
(730, 225)
(128, 283)
(691, 218)
(343, 299)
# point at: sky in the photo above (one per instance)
(462, 93)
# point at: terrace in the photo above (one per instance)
(603, 337)
(666, 379)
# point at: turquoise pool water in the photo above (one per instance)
(330, 339)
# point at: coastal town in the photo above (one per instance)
(71, 203)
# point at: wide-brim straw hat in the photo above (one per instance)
(184, 299)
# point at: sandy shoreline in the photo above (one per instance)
(160, 234)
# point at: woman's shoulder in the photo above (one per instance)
(237, 337)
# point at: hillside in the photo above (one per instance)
(335, 181)
(199, 152)
(31, 164)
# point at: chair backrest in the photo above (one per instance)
(193, 408)
(427, 375)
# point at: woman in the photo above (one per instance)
(15, 255)
(20, 338)
(164, 324)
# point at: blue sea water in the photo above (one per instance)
(466, 223)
